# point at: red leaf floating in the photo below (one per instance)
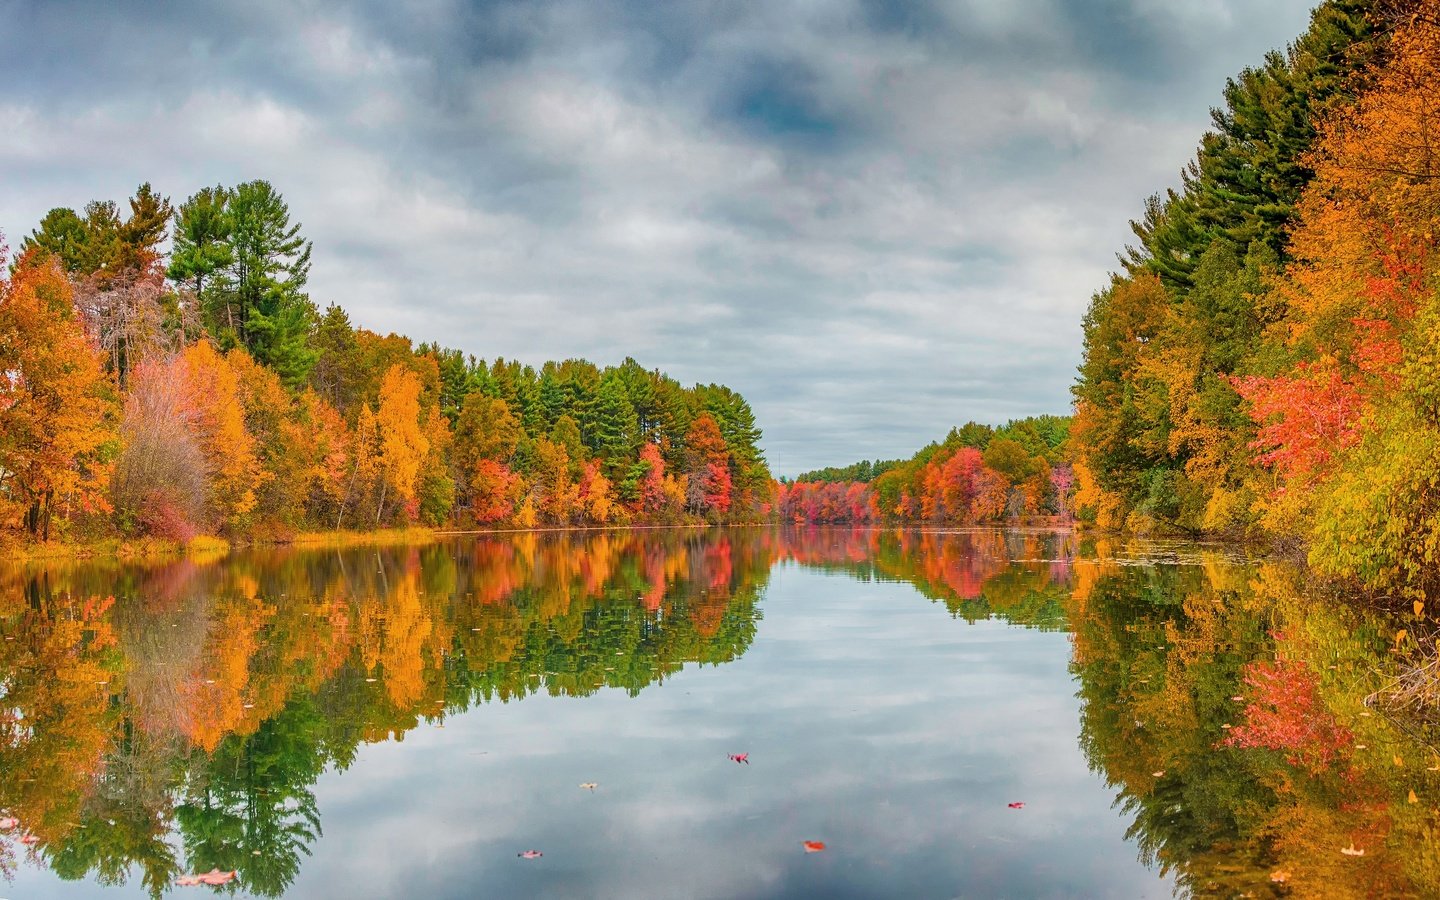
(29, 839)
(8, 823)
(813, 846)
(739, 757)
(1016, 805)
(530, 854)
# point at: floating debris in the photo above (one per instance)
(213, 877)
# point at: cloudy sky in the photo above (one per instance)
(874, 219)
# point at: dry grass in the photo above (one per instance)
(117, 548)
(382, 538)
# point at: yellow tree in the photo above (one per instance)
(55, 406)
(403, 440)
(214, 399)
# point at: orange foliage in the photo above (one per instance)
(213, 396)
(55, 407)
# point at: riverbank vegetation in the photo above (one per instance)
(1266, 361)
(201, 391)
(977, 474)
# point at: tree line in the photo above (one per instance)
(1265, 361)
(978, 474)
(195, 387)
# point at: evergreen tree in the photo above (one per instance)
(61, 234)
(267, 276)
(616, 428)
(202, 250)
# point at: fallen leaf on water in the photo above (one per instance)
(1419, 607)
(369, 680)
(814, 846)
(212, 877)
(1279, 876)
(1399, 760)
(1159, 774)
(1227, 726)
(1412, 798)
(1016, 805)
(1238, 699)
(589, 785)
(1352, 851)
(739, 757)
(8, 823)
(1362, 746)
(1400, 636)
(1365, 714)
(530, 854)
(29, 839)
(217, 877)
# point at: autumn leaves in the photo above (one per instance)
(202, 392)
(1267, 363)
(979, 474)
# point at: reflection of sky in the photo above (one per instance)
(874, 722)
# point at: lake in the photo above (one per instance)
(676, 713)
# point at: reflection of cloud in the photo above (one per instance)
(873, 721)
(873, 219)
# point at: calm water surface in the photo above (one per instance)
(405, 721)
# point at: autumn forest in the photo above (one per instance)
(1261, 366)
(571, 627)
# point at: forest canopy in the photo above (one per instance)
(195, 387)
(1265, 362)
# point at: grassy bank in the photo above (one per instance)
(204, 546)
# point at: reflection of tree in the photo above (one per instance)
(1220, 701)
(214, 695)
(251, 808)
(1145, 710)
(1021, 577)
(210, 697)
(56, 719)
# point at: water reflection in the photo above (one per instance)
(175, 716)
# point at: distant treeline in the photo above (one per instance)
(978, 474)
(203, 391)
(862, 471)
(1267, 361)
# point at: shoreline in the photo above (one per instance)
(210, 547)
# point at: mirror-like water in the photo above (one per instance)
(406, 720)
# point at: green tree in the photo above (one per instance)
(202, 250)
(268, 275)
(616, 429)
